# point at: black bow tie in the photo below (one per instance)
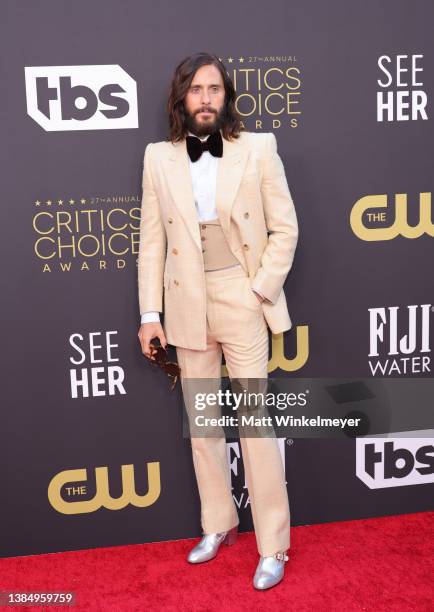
(213, 144)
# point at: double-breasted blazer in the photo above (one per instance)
(258, 219)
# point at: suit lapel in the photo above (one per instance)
(229, 173)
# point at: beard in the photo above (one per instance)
(207, 126)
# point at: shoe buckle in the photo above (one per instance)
(281, 556)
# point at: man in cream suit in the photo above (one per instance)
(218, 234)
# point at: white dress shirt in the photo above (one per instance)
(204, 179)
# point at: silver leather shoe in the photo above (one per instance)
(270, 571)
(208, 546)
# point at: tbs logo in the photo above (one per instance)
(394, 462)
(63, 98)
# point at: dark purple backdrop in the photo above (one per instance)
(317, 63)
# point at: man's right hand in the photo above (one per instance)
(147, 332)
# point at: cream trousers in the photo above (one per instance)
(236, 328)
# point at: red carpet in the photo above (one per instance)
(374, 564)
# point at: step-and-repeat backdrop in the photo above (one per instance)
(92, 451)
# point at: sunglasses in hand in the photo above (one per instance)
(159, 358)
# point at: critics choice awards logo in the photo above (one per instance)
(83, 234)
(269, 90)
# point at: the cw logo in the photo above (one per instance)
(102, 496)
(278, 358)
(399, 227)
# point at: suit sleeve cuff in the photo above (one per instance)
(267, 285)
(150, 317)
(261, 295)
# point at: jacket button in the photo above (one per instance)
(203, 226)
(176, 281)
(246, 247)
(246, 215)
(175, 251)
(170, 219)
(203, 250)
(202, 238)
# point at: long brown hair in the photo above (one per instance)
(181, 81)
